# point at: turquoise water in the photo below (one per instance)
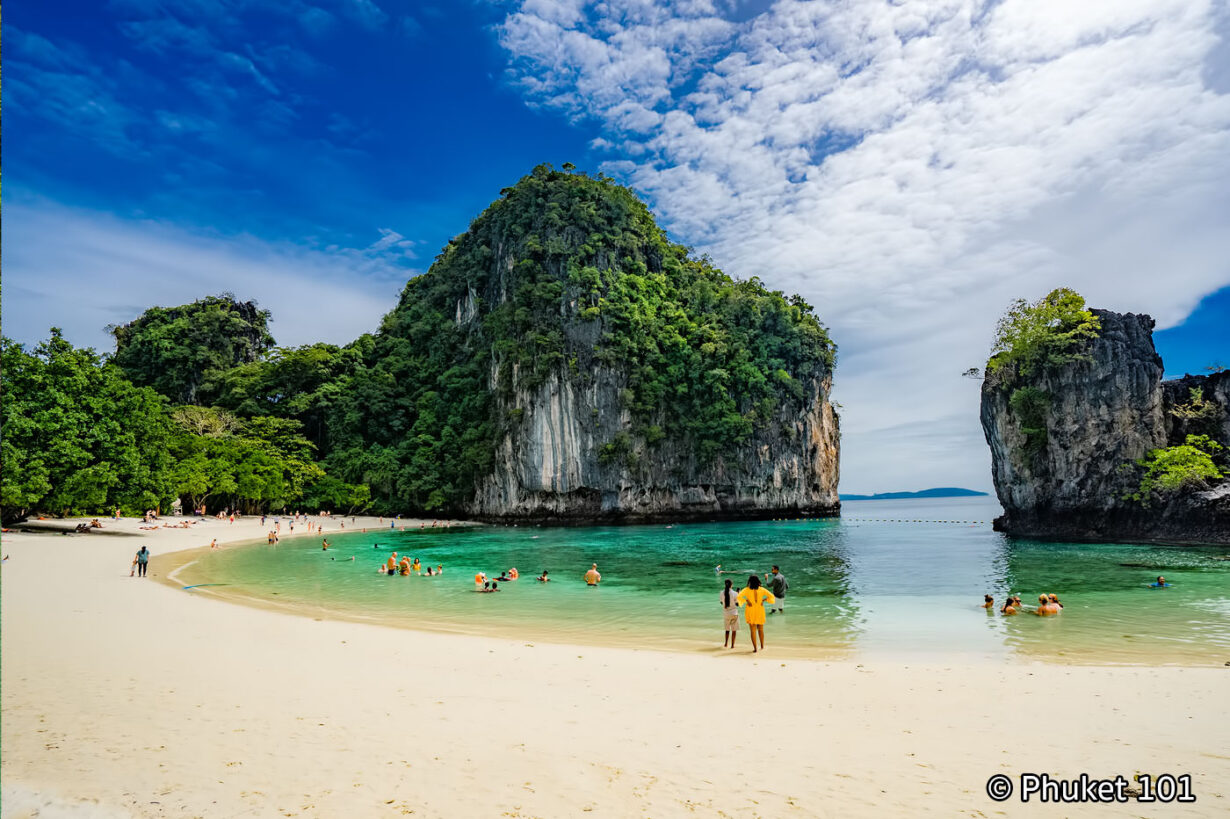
(889, 578)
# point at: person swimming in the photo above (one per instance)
(542, 578)
(1160, 584)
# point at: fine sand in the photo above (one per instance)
(130, 697)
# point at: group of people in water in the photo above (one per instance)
(405, 566)
(1048, 605)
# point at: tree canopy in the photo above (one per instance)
(174, 349)
(78, 436)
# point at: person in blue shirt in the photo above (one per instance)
(1160, 584)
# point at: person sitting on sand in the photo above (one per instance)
(1044, 607)
(94, 524)
(542, 578)
(1054, 601)
(82, 527)
(592, 578)
(988, 602)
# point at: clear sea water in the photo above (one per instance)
(888, 578)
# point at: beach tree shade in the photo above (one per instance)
(1045, 333)
(562, 275)
(77, 435)
(174, 349)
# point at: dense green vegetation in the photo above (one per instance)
(80, 438)
(174, 349)
(1189, 465)
(563, 275)
(1043, 334)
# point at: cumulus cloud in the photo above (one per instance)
(89, 269)
(909, 168)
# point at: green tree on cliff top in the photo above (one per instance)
(1043, 334)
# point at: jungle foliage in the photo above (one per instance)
(174, 349)
(562, 277)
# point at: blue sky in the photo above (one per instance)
(909, 168)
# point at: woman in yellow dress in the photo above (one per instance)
(753, 599)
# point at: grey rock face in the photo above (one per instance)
(548, 466)
(1102, 414)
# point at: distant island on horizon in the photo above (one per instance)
(937, 492)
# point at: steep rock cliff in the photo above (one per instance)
(1101, 413)
(564, 361)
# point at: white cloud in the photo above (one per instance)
(82, 270)
(910, 168)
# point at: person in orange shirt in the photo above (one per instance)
(753, 598)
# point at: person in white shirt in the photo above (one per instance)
(730, 613)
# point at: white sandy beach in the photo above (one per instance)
(128, 697)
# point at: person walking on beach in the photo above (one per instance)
(142, 561)
(778, 584)
(730, 614)
(753, 599)
(592, 578)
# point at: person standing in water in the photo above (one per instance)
(730, 614)
(753, 599)
(592, 578)
(778, 584)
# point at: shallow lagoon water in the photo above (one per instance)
(888, 578)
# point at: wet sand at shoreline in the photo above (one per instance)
(124, 697)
